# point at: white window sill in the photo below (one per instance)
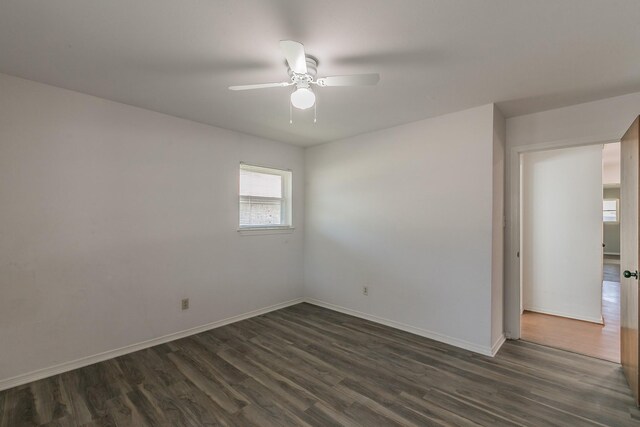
(257, 231)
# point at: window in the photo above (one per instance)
(610, 210)
(265, 197)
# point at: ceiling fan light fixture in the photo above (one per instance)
(303, 98)
(302, 70)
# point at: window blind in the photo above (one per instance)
(263, 197)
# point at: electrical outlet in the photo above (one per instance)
(365, 290)
(185, 304)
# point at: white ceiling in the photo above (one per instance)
(434, 57)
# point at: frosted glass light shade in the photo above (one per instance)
(303, 98)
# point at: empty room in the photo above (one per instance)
(329, 213)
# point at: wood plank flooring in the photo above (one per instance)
(592, 339)
(305, 365)
(611, 269)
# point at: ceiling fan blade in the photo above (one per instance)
(353, 80)
(294, 53)
(260, 86)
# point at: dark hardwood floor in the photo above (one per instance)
(306, 365)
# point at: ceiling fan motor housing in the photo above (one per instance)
(312, 71)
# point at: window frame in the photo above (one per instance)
(286, 213)
(617, 201)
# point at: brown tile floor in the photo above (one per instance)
(578, 336)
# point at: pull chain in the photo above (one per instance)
(315, 111)
(290, 114)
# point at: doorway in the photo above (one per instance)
(570, 249)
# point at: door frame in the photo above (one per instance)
(513, 294)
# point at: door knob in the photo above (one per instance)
(628, 274)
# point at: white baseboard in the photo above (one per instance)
(598, 320)
(487, 351)
(495, 348)
(110, 354)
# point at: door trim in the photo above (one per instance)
(512, 288)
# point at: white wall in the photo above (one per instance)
(497, 254)
(588, 123)
(611, 164)
(111, 214)
(408, 212)
(611, 181)
(562, 232)
(611, 231)
(602, 120)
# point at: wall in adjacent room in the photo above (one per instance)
(611, 229)
(409, 213)
(111, 214)
(561, 248)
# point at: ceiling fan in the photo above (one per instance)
(302, 73)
